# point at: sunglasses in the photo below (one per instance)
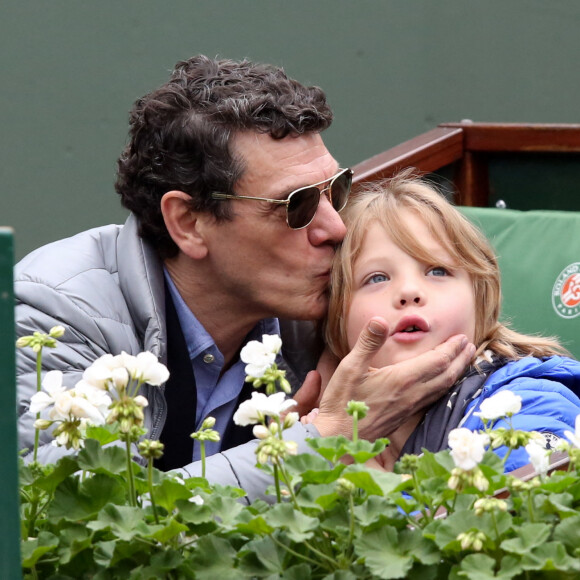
(302, 203)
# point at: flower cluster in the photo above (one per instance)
(261, 368)
(107, 393)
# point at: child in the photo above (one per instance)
(412, 258)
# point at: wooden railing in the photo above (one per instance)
(466, 146)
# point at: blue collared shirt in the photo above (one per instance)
(216, 396)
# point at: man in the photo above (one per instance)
(234, 203)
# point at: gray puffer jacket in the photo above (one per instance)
(106, 287)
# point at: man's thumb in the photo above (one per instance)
(370, 340)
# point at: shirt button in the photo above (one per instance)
(208, 358)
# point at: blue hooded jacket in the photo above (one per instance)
(549, 390)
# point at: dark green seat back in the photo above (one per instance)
(539, 257)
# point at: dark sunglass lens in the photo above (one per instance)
(340, 190)
(302, 207)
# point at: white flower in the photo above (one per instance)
(260, 356)
(196, 499)
(101, 372)
(467, 447)
(52, 385)
(574, 438)
(81, 408)
(505, 403)
(94, 395)
(539, 456)
(145, 367)
(272, 342)
(254, 410)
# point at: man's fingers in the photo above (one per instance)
(308, 395)
(370, 340)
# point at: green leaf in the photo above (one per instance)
(568, 532)
(103, 552)
(299, 527)
(168, 492)
(74, 539)
(214, 559)
(78, 501)
(382, 555)
(103, 434)
(226, 509)
(363, 479)
(297, 572)
(65, 467)
(331, 448)
(262, 557)
(529, 536)
(363, 450)
(313, 469)
(447, 530)
(481, 567)
(550, 556)
(341, 575)
(163, 565)
(33, 549)
(192, 513)
(253, 526)
(97, 459)
(377, 510)
(124, 521)
(317, 496)
(169, 531)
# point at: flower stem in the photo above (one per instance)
(293, 552)
(277, 483)
(355, 427)
(150, 483)
(202, 450)
(131, 482)
(38, 387)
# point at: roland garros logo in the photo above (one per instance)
(566, 292)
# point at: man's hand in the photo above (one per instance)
(394, 392)
(308, 395)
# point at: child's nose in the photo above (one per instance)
(410, 294)
(416, 300)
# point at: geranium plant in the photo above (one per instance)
(99, 514)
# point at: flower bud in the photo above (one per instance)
(141, 401)
(345, 487)
(260, 432)
(291, 447)
(42, 424)
(290, 419)
(285, 385)
(208, 423)
(23, 341)
(56, 331)
(151, 449)
(358, 407)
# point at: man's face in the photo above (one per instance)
(270, 269)
(423, 303)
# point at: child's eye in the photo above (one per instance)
(376, 279)
(438, 271)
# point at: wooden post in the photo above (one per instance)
(9, 498)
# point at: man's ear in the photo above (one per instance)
(184, 225)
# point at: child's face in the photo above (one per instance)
(424, 304)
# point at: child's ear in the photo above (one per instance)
(184, 225)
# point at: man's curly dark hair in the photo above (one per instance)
(180, 135)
